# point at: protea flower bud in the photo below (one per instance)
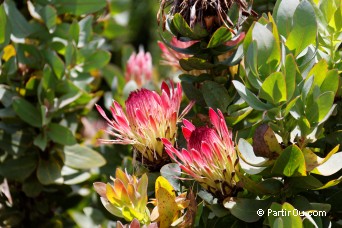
(139, 68)
(126, 198)
(148, 118)
(210, 157)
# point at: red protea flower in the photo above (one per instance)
(148, 118)
(139, 68)
(210, 157)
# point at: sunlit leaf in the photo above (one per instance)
(304, 28)
(82, 157)
(291, 162)
(219, 37)
(288, 219)
(273, 89)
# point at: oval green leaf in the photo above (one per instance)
(27, 112)
(82, 157)
(49, 171)
(60, 134)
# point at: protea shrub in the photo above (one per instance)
(148, 118)
(210, 157)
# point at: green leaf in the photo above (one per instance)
(319, 109)
(172, 172)
(304, 29)
(287, 214)
(283, 15)
(85, 30)
(290, 70)
(49, 15)
(236, 117)
(328, 9)
(194, 63)
(79, 7)
(32, 187)
(49, 171)
(318, 71)
(41, 141)
(274, 88)
(96, 61)
(325, 104)
(74, 31)
(249, 97)
(219, 37)
(252, 61)
(193, 93)
(20, 27)
(234, 12)
(183, 28)
(331, 81)
(60, 134)
(331, 183)
(3, 19)
(56, 63)
(18, 169)
(189, 78)
(27, 112)
(267, 50)
(291, 162)
(304, 183)
(216, 95)
(82, 157)
(246, 209)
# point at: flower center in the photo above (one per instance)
(201, 134)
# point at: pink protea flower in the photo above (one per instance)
(172, 57)
(210, 157)
(148, 118)
(139, 68)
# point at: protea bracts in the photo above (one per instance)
(210, 158)
(148, 118)
(210, 14)
(126, 198)
(139, 68)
